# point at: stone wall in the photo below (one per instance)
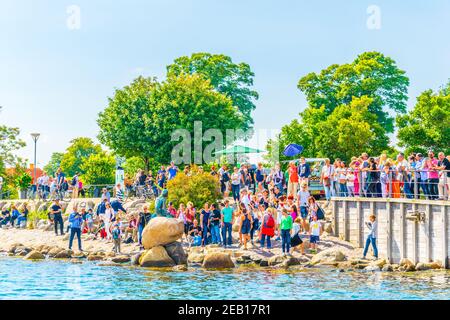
(399, 234)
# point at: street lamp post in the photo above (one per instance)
(35, 137)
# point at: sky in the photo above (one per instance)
(58, 68)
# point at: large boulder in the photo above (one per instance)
(196, 257)
(156, 257)
(64, 254)
(34, 255)
(378, 263)
(176, 252)
(161, 231)
(54, 251)
(135, 259)
(329, 255)
(14, 246)
(407, 265)
(423, 266)
(218, 260)
(285, 261)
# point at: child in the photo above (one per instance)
(314, 233)
(116, 237)
(372, 237)
(90, 221)
(285, 227)
(303, 196)
(195, 231)
(296, 241)
(351, 183)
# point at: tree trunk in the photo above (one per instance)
(147, 164)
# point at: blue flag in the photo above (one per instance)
(292, 150)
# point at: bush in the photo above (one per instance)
(197, 188)
(34, 217)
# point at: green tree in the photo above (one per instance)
(9, 143)
(426, 126)
(233, 80)
(55, 162)
(99, 169)
(79, 151)
(141, 118)
(126, 124)
(350, 130)
(303, 131)
(371, 74)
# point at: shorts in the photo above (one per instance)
(314, 239)
(303, 212)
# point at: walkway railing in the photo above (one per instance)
(416, 184)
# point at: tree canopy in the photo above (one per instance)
(371, 74)
(348, 109)
(233, 80)
(55, 162)
(9, 143)
(426, 126)
(141, 117)
(79, 150)
(99, 169)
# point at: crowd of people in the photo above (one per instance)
(258, 218)
(262, 205)
(364, 176)
(388, 178)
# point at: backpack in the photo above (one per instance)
(74, 181)
(225, 177)
(320, 213)
(116, 234)
(197, 241)
(269, 222)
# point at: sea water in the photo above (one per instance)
(52, 279)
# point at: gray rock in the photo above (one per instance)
(176, 252)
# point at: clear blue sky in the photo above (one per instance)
(55, 80)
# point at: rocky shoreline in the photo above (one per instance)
(176, 255)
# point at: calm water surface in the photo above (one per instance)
(20, 279)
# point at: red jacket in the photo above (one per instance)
(268, 231)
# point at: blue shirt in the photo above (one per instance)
(116, 205)
(172, 172)
(304, 170)
(76, 220)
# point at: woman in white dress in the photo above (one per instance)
(107, 218)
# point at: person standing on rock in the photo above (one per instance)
(296, 240)
(372, 237)
(204, 219)
(285, 227)
(314, 233)
(56, 211)
(108, 216)
(268, 228)
(215, 224)
(76, 223)
(245, 225)
(143, 219)
(116, 236)
(227, 224)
